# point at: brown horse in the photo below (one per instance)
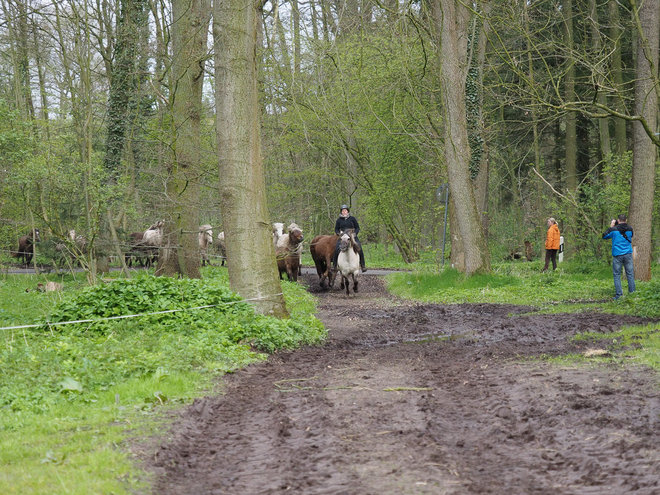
(323, 249)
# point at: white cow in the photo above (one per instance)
(221, 246)
(152, 240)
(205, 239)
(278, 231)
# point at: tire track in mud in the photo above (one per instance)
(433, 399)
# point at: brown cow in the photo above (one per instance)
(25, 247)
(288, 253)
(323, 249)
(283, 240)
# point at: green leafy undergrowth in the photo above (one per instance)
(645, 301)
(185, 306)
(187, 325)
(99, 379)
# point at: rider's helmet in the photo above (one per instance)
(344, 207)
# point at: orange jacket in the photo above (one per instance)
(552, 238)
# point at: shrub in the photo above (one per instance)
(78, 361)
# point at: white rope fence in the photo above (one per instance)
(96, 320)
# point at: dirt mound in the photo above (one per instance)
(408, 398)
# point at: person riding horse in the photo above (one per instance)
(345, 222)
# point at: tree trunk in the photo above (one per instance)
(42, 83)
(348, 14)
(278, 29)
(570, 141)
(603, 124)
(327, 20)
(480, 181)
(451, 21)
(314, 20)
(620, 138)
(250, 252)
(538, 212)
(297, 52)
(124, 85)
(15, 17)
(457, 252)
(180, 254)
(644, 151)
(570, 134)
(124, 81)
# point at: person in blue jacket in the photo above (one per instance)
(621, 234)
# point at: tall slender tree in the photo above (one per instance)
(615, 34)
(124, 80)
(180, 250)
(570, 140)
(451, 18)
(124, 87)
(16, 17)
(603, 124)
(570, 134)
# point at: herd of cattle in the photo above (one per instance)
(143, 247)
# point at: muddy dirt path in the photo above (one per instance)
(424, 399)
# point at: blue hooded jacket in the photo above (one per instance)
(620, 244)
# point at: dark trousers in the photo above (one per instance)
(550, 254)
(337, 250)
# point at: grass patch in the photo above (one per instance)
(449, 286)
(636, 343)
(641, 343)
(508, 283)
(381, 256)
(572, 287)
(70, 395)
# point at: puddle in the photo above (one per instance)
(425, 339)
(420, 339)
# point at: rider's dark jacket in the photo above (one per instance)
(346, 223)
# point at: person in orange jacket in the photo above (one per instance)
(551, 244)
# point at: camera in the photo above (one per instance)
(616, 222)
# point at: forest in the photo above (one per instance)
(115, 115)
(130, 130)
